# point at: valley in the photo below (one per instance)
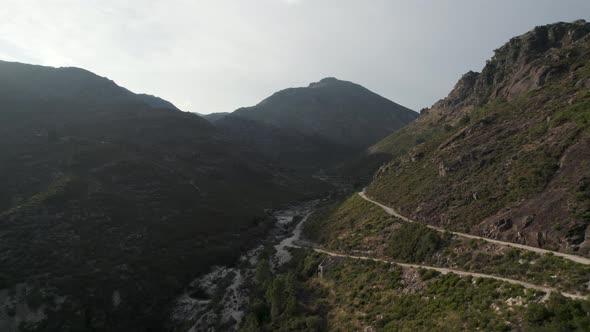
(475, 220)
(321, 207)
(219, 299)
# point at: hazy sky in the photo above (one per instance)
(218, 55)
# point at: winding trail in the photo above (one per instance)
(443, 270)
(391, 211)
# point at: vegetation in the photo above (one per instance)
(342, 112)
(558, 314)
(355, 225)
(581, 211)
(349, 224)
(103, 193)
(358, 294)
(514, 141)
(275, 303)
(548, 270)
(415, 243)
(489, 146)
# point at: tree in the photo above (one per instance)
(275, 296)
(251, 324)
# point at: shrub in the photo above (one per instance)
(314, 323)
(414, 243)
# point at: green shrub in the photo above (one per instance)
(428, 274)
(414, 243)
(314, 323)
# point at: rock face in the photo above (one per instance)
(523, 64)
(342, 112)
(505, 153)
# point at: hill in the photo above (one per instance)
(505, 155)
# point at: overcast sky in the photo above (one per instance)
(218, 55)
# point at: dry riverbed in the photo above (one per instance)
(217, 301)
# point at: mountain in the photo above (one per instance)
(24, 83)
(111, 204)
(505, 154)
(212, 117)
(321, 126)
(340, 111)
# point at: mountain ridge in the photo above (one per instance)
(26, 82)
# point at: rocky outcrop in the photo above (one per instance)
(523, 64)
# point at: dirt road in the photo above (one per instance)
(391, 211)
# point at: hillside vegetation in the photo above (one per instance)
(358, 227)
(505, 155)
(366, 295)
(105, 196)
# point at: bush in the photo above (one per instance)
(314, 323)
(35, 298)
(414, 243)
(428, 274)
(559, 314)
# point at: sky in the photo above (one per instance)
(219, 55)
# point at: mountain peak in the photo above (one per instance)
(340, 111)
(523, 64)
(329, 81)
(542, 38)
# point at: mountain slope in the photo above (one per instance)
(284, 146)
(505, 155)
(213, 117)
(340, 111)
(109, 206)
(157, 102)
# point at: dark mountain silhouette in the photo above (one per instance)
(212, 117)
(286, 147)
(107, 191)
(157, 102)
